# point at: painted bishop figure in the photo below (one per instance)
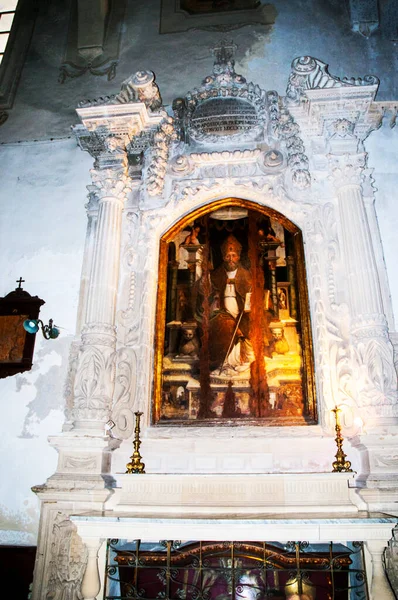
(231, 283)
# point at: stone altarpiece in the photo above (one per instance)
(226, 145)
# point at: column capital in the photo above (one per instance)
(347, 169)
(109, 183)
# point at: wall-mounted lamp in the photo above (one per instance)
(19, 323)
(50, 332)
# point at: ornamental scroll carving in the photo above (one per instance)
(138, 265)
(159, 158)
(330, 318)
(141, 87)
(125, 390)
(286, 129)
(68, 561)
(95, 377)
(373, 353)
(309, 73)
(70, 381)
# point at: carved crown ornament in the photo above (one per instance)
(225, 107)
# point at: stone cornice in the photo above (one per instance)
(324, 106)
(123, 121)
(131, 118)
(316, 98)
(308, 73)
(110, 183)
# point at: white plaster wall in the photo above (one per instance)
(42, 231)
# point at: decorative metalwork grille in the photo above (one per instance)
(176, 570)
(224, 116)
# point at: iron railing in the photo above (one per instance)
(175, 570)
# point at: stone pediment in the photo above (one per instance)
(228, 114)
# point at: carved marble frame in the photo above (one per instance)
(310, 405)
(111, 368)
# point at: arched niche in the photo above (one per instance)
(233, 336)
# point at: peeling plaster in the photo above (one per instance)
(26, 520)
(49, 369)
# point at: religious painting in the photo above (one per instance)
(196, 7)
(233, 335)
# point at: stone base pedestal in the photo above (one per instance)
(377, 479)
(256, 494)
(81, 484)
(84, 461)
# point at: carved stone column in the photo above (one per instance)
(92, 208)
(371, 348)
(94, 381)
(359, 258)
(82, 481)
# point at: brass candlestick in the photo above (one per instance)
(340, 465)
(136, 465)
